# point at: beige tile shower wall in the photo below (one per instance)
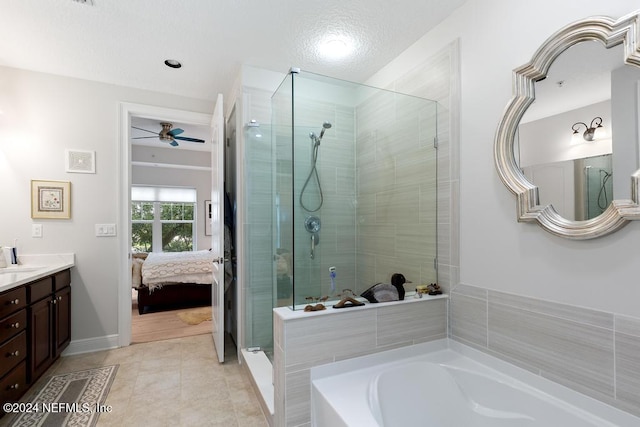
(396, 189)
(305, 342)
(399, 210)
(593, 352)
(437, 78)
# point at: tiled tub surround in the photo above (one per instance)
(593, 352)
(307, 339)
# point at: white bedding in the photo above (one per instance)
(161, 268)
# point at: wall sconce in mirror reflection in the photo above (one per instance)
(592, 132)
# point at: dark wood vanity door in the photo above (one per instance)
(41, 342)
(62, 323)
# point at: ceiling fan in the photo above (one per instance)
(168, 134)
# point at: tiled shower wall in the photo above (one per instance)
(593, 352)
(437, 78)
(396, 189)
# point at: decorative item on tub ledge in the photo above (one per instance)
(318, 306)
(50, 199)
(431, 289)
(384, 292)
(348, 300)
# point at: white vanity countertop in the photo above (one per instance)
(33, 267)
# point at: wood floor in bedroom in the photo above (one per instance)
(164, 325)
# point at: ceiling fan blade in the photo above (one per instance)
(155, 133)
(173, 143)
(184, 138)
(145, 137)
(176, 131)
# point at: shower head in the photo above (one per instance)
(315, 139)
(325, 126)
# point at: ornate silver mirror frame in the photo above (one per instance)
(610, 32)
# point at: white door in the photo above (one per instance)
(217, 226)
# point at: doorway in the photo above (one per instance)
(130, 113)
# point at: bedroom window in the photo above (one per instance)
(160, 224)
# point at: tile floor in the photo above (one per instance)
(176, 382)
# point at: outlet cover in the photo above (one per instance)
(36, 230)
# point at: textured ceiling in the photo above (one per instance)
(126, 42)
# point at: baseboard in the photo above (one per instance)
(90, 345)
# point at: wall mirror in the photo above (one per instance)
(568, 143)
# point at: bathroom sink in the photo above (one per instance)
(20, 269)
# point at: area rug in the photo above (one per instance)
(195, 316)
(75, 399)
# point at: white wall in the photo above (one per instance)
(42, 115)
(497, 252)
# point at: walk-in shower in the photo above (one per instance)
(342, 194)
(367, 175)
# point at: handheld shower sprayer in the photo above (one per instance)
(316, 139)
(315, 144)
(325, 126)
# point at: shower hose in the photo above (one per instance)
(312, 173)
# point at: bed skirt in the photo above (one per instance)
(172, 297)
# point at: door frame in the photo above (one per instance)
(123, 223)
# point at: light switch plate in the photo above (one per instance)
(105, 230)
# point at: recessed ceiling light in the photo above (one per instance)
(172, 63)
(335, 47)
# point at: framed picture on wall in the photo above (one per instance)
(80, 161)
(50, 199)
(207, 217)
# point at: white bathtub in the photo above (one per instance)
(444, 383)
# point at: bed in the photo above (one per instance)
(172, 280)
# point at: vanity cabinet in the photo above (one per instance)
(49, 321)
(35, 327)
